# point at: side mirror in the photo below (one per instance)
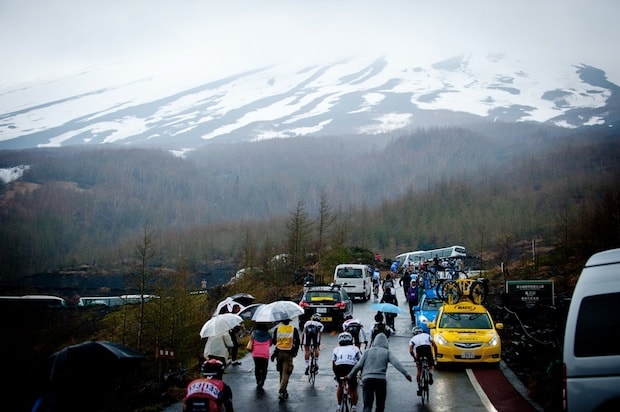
(499, 326)
(416, 308)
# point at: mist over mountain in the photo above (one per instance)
(347, 98)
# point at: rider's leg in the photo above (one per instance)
(339, 393)
(307, 357)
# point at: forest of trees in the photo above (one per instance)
(86, 206)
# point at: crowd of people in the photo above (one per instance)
(349, 362)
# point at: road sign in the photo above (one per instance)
(530, 292)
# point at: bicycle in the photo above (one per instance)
(452, 291)
(424, 380)
(345, 405)
(313, 366)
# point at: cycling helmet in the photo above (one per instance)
(345, 338)
(416, 330)
(212, 368)
(317, 317)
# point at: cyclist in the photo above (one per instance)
(376, 280)
(344, 358)
(421, 345)
(311, 335)
(209, 389)
(356, 329)
(388, 282)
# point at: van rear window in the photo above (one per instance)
(349, 273)
(598, 326)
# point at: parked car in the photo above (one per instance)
(427, 309)
(331, 302)
(355, 278)
(591, 338)
(466, 333)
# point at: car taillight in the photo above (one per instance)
(341, 305)
(304, 304)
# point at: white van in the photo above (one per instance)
(592, 337)
(356, 279)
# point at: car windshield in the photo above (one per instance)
(322, 296)
(465, 321)
(431, 304)
(349, 273)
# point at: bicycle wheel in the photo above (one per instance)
(438, 290)
(451, 292)
(424, 384)
(312, 375)
(432, 280)
(478, 292)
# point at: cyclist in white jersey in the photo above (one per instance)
(344, 358)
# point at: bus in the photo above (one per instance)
(427, 255)
(33, 301)
(114, 300)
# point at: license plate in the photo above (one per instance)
(326, 319)
(468, 355)
(321, 310)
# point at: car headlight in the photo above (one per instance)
(423, 319)
(441, 340)
(494, 341)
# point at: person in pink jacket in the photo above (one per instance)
(260, 343)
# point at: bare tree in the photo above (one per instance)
(142, 273)
(299, 228)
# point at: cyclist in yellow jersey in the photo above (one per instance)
(286, 339)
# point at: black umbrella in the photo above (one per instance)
(101, 359)
(244, 298)
(249, 311)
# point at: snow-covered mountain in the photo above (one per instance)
(343, 98)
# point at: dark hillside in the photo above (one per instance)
(434, 187)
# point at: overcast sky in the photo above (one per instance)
(43, 39)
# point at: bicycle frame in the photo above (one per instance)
(345, 404)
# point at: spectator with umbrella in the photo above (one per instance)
(285, 337)
(286, 340)
(259, 344)
(217, 332)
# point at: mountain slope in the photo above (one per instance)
(341, 99)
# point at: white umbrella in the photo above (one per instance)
(220, 325)
(277, 311)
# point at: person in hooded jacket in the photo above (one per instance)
(260, 344)
(373, 365)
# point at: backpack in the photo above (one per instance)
(379, 328)
(354, 330)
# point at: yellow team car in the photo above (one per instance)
(465, 333)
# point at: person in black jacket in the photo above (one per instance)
(379, 327)
(389, 297)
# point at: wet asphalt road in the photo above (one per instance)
(453, 389)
